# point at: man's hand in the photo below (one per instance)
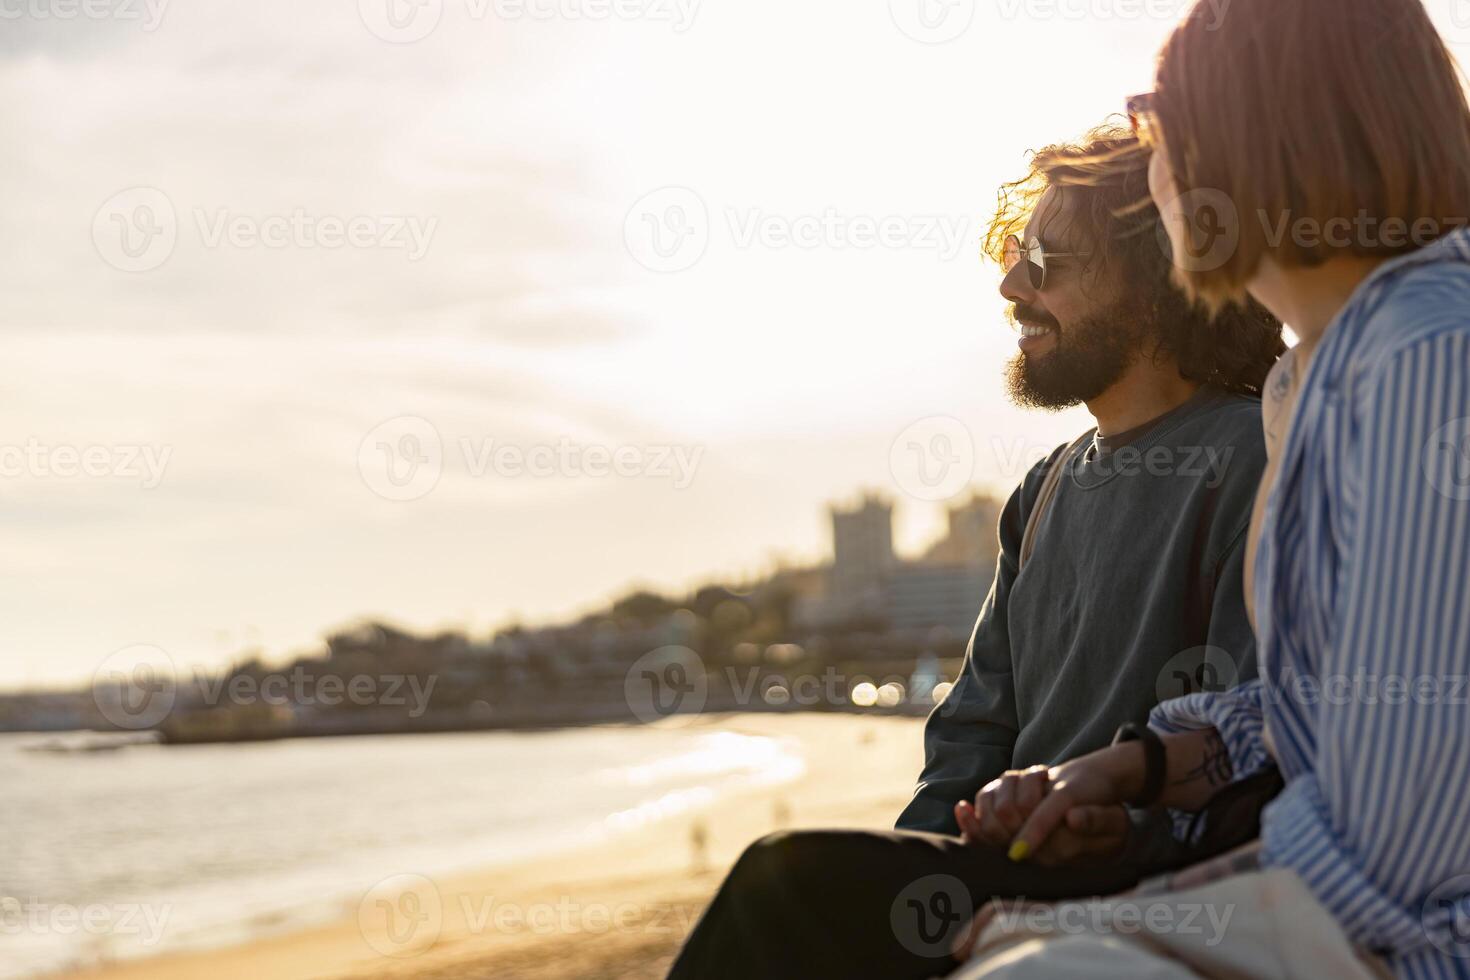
(1088, 832)
(1003, 806)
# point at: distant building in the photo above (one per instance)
(862, 549)
(973, 537)
(867, 582)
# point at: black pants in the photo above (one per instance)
(854, 904)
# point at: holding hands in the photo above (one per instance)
(1003, 807)
(1061, 813)
(1057, 814)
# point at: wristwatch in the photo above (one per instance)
(1155, 761)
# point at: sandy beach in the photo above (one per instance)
(615, 910)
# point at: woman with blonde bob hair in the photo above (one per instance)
(1315, 155)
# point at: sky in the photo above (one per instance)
(465, 312)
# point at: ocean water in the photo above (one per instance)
(146, 849)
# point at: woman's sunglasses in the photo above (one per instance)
(1142, 119)
(1035, 256)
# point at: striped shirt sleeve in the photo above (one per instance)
(1376, 825)
(1235, 714)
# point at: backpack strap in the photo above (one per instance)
(1044, 495)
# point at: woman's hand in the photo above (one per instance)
(1078, 791)
(1002, 807)
(1025, 809)
(1196, 766)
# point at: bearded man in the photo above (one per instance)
(1119, 584)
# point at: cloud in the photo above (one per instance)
(314, 180)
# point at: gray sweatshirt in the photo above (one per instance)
(1132, 594)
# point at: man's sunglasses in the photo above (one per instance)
(1035, 256)
(1143, 120)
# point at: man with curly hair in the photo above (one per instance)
(1119, 584)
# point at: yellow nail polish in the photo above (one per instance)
(1019, 851)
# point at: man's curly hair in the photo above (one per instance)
(1117, 223)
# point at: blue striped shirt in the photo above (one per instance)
(1362, 597)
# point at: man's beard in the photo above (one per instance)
(1086, 360)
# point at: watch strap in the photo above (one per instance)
(1155, 762)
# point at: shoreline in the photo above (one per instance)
(617, 907)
